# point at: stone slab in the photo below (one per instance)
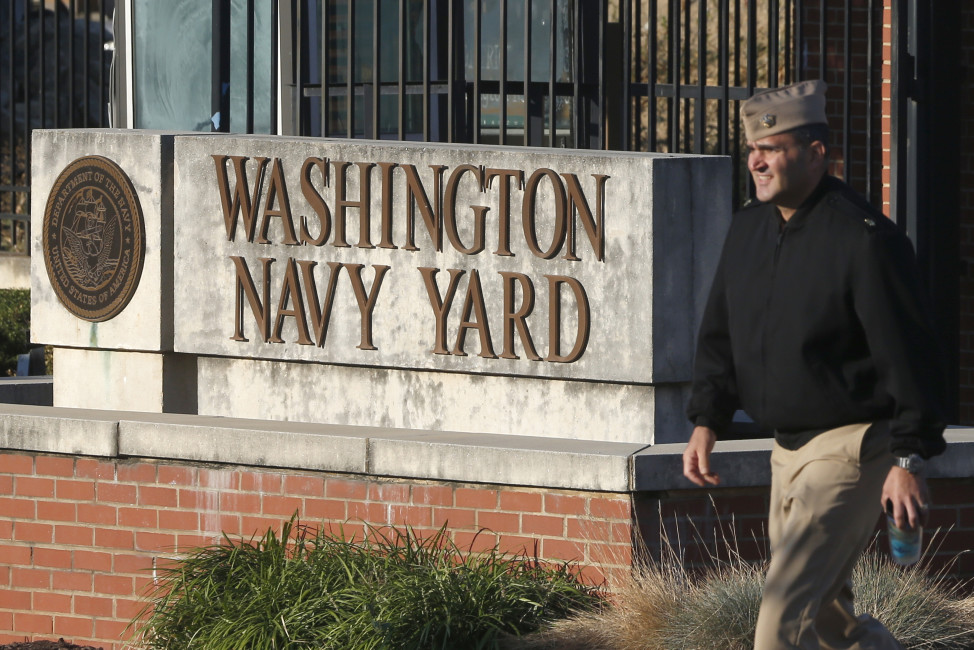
(146, 158)
(402, 453)
(126, 381)
(381, 451)
(504, 460)
(439, 401)
(663, 218)
(241, 442)
(61, 431)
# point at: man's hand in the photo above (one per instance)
(696, 458)
(905, 496)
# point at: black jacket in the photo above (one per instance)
(817, 323)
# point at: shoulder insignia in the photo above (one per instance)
(856, 207)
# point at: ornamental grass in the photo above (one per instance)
(663, 605)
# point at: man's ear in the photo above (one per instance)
(820, 153)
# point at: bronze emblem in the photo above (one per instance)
(768, 120)
(94, 238)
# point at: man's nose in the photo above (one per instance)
(755, 160)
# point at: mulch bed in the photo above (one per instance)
(60, 644)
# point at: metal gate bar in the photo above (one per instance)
(54, 74)
(717, 53)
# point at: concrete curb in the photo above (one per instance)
(503, 459)
(402, 453)
(248, 442)
(61, 431)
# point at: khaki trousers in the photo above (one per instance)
(824, 507)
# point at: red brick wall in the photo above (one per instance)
(700, 522)
(79, 536)
(864, 116)
(887, 103)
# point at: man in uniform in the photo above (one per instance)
(815, 327)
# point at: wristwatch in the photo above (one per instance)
(913, 463)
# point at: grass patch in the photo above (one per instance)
(921, 610)
(665, 606)
(394, 589)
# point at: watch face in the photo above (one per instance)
(912, 463)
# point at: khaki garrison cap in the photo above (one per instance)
(775, 111)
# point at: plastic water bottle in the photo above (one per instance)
(904, 543)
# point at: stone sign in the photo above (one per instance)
(510, 262)
(529, 291)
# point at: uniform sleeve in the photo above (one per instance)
(889, 303)
(714, 397)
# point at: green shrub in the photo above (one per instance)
(14, 328)
(394, 590)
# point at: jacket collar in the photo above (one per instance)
(827, 184)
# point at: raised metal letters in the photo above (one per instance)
(546, 195)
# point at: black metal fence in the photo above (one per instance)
(55, 60)
(638, 75)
